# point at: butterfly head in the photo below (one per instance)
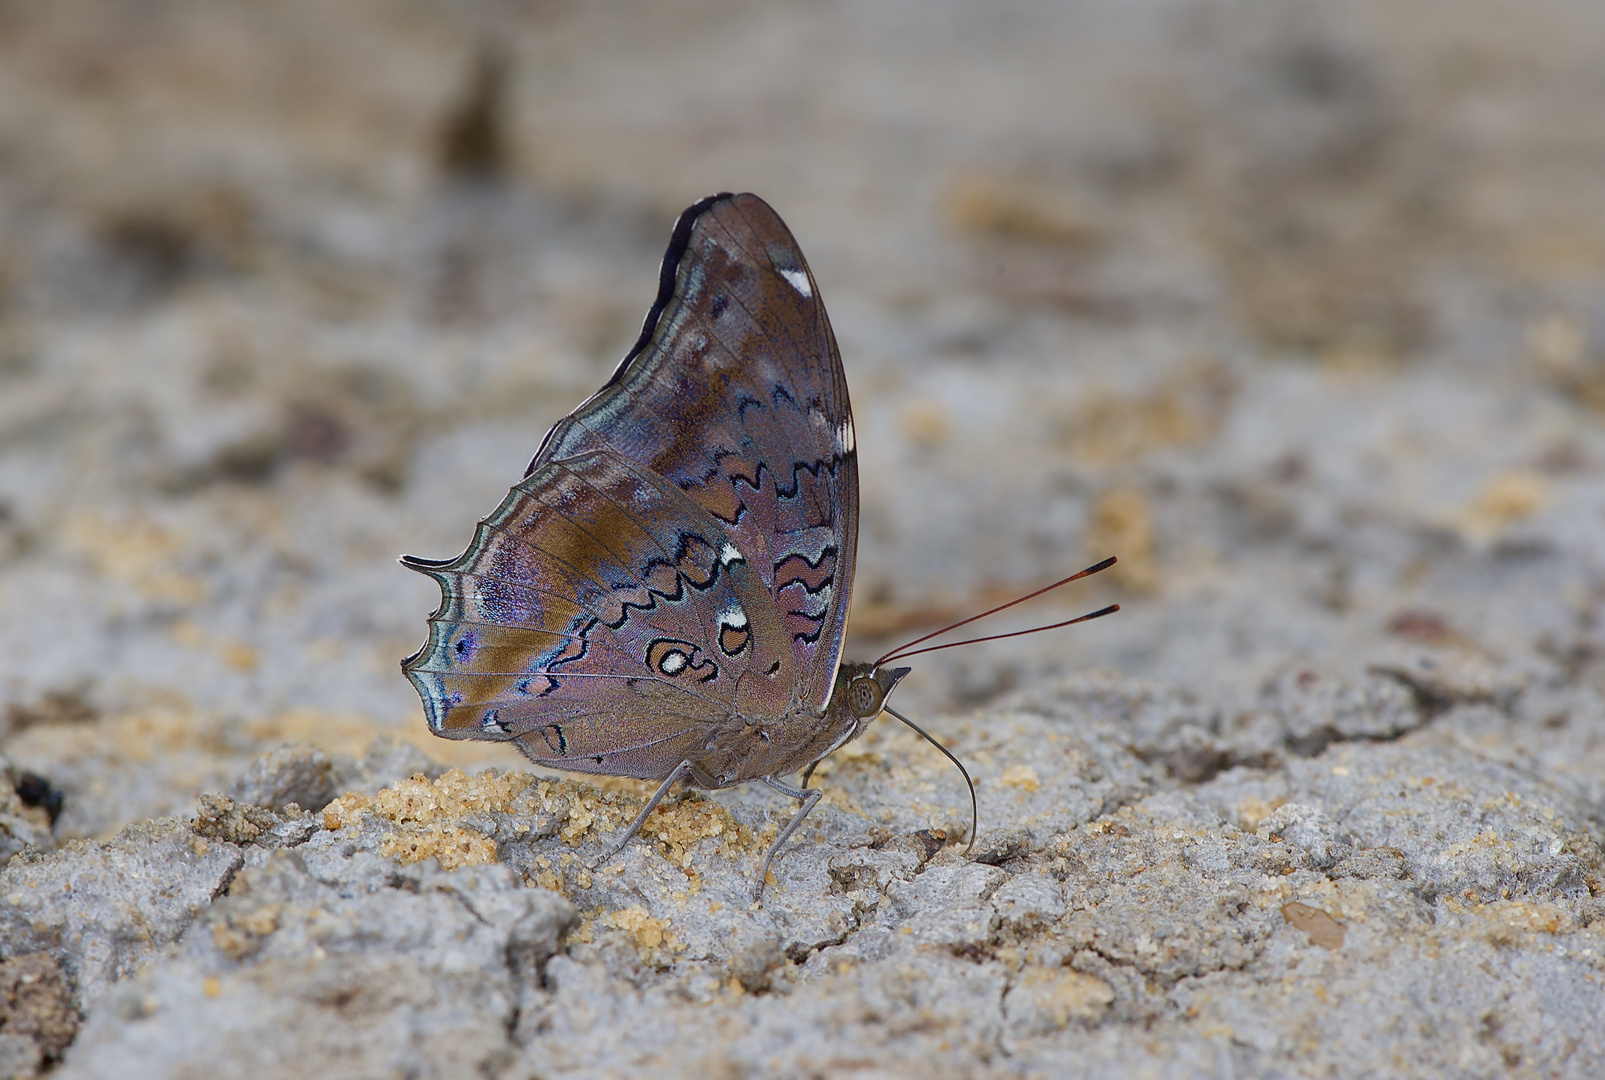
(867, 687)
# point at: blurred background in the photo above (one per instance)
(1295, 307)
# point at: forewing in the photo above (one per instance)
(735, 395)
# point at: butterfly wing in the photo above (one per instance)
(735, 394)
(681, 548)
(599, 618)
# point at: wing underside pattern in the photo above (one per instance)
(681, 548)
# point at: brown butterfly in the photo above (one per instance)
(664, 595)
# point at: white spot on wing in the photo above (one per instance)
(799, 281)
(733, 617)
(730, 554)
(672, 663)
(845, 443)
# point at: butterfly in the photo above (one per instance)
(664, 595)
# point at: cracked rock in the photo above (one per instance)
(102, 910)
(421, 970)
(1312, 710)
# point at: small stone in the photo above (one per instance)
(221, 818)
(1309, 828)
(998, 846)
(299, 773)
(754, 964)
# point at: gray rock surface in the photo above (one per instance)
(1295, 307)
(375, 970)
(102, 910)
(1246, 922)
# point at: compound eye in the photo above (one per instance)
(864, 697)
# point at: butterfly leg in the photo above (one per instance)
(808, 799)
(679, 773)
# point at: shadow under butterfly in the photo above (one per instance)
(664, 595)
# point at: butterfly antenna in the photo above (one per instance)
(1110, 610)
(975, 810)
(904, 650)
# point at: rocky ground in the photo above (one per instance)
(1294, 307)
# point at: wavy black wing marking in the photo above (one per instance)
(671, 574)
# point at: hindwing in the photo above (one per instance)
(602, 599)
